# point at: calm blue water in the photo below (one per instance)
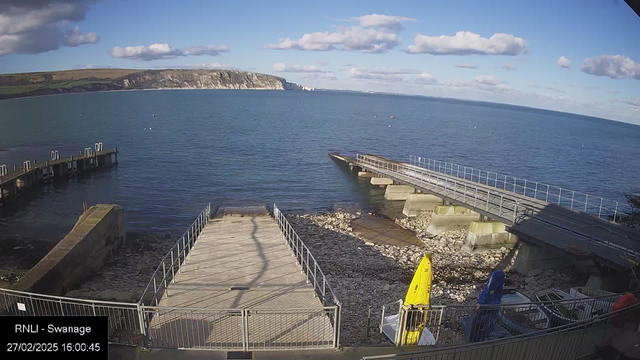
(269, 146)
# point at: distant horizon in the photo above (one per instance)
(322, 89)
(570, 56)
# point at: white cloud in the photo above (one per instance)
(385, 22)
(74, 38)
(31, 27)
(630, 101)
(164, 51)
(466, 66)
(213, 50)
(350, 39)
(556, 90)
(211, 65)
(363, 73)
(508, 67)
(564, 62)
(488, 80)
(468, 43)
(322, 76)
(375, 34)
(392, 75)
(425, 78)
(280, 67)
(613, 66)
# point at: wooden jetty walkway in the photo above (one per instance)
(17, 181)
(240, 288)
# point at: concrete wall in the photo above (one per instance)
(398, 192)
(96, 235)
(531, 257)
(488, 235)
(417, 203)
(446, 218)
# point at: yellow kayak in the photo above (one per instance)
(418, 297)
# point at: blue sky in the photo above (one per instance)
(510, 48)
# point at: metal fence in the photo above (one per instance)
(309, 266)
(575, 200)
(571, 341)
(522, 212)
(171, 263)
(462, 324)
(124, 318)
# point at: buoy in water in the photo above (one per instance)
(392, 117)
(153, 115)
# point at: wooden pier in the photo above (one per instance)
(15, 182)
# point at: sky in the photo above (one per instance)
(578, 56)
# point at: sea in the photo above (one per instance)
(180, 150)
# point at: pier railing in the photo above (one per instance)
(171, 263)
(461, 324)
(310, 268)
(571, 199)
(124, 322)
(574, 340)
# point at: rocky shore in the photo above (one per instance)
(126, 275)
(364, 275)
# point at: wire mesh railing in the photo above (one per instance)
(171, 263)
(566, 342)
(518, 212)
(451, 325)
(124, 318)
(309, 266)
(571, 199)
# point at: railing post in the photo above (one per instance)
(515, 211)
(164, 278)
(155, 289)
(61, 307)
(179, 264)
(173, 274)
(524, 192)
(141, 321)
(560, 196)
(573, 194)
(600, 211)
(501, 200)
(184, 249)
(547, 197)
(586, 201)
(615, 212)
(245, 330)
(475, 200)
(536, 192)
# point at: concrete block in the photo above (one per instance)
(398, 192)
(488, 234)
(417, 203)
(96, 235)
(532, 257)
(446, 218)
(381, 181)
(608, 283)
(365, 174)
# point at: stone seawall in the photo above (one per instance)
(94, 238)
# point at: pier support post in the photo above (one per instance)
(446, 218)
(417, 203)
(398, 192)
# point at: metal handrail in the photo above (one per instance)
(181, 248)
(497, 203)
(576, 326)
(54, 297)
(299, 250)
(572, 199)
